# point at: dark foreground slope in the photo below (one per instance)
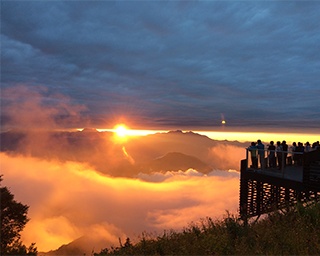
(295, 231)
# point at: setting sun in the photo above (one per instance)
(121, 130)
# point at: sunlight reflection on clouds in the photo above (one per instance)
(69, 200)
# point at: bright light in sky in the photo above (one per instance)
(129, 132)
(121, 130)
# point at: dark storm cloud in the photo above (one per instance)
(178, 63)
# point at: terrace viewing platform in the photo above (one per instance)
(265, 187)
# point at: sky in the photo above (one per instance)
(160, 64)
(152, 65)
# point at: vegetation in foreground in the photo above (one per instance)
(13, 218)
(293, 231)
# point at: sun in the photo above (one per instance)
(121, 130)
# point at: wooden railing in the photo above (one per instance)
(309, 162)
(262, 191)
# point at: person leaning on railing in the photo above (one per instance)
(294, 156)
(260, 147)
(300, 151)
(279, 154)
(285, 153)
(271, 156)
(307, 147)
(315, 145)
(253, 152)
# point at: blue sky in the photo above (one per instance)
(174, 64)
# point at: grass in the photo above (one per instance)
(292, 231)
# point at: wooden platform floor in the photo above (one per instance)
(290, 172)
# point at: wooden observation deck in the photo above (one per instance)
(265, 189)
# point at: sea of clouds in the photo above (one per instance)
(70, 200)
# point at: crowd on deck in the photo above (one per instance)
(279, 154)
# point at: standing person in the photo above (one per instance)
(260, 147)
(253, 152)
(279, 154)
(294, 155)
(272, 156)
(307, 147)
(300, 150)
(315, 145)
(285, 153)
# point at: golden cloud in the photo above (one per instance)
(69, 200)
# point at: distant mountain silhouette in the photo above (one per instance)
(174, 150)
(175, 161)
(80, 246)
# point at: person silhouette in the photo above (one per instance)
(253, 152)
(285, 153)
(307, 147)
(279, 154)
(294, 155)
(272, 156)
(260, 147)
(300, 150)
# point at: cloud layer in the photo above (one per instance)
(69, 200)
(170, 63)
(35, 108)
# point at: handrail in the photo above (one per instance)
(267, 161)
(290, 152)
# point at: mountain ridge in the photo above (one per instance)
(127, 159)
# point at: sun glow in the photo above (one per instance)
(121, 130)
(121, 133)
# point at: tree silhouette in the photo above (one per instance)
(13, 219)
